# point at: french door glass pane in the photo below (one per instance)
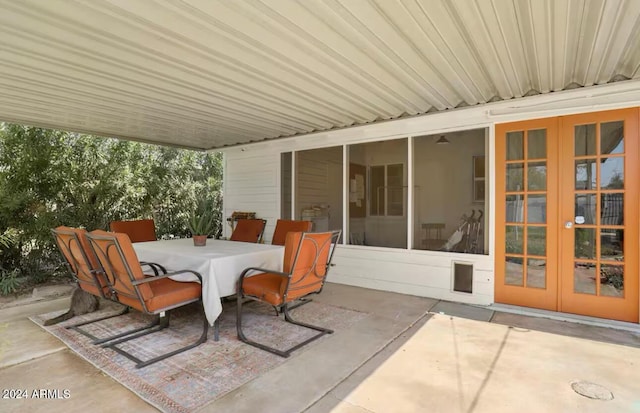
(612, 137)
(536, 273)
(537, 176)
(515, 208)
(515, 146)
(514, 274)
(585, 140)
(611, 244)
(515, 178)
(612, 173)
(537, 241)
(514, 236)
(612, 280)
(585, 243)
(537, 144)
(612, 209)
(584, 278)
(585, 209)
(536, 209)
(586, 174)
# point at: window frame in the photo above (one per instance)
(385, 201)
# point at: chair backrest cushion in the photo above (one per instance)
(75, 248)
(121, 266)
(138, 231)
(284, 226)
(248, 230)
(307, 257)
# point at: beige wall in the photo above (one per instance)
(380, 230)
(319, 182)
(443, 179)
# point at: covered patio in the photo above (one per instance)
(312, 102)
(412, 354)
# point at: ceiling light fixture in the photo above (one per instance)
(442, 141)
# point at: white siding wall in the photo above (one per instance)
(319, 183)
(252, 183)
(422, 273)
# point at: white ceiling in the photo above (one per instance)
(209, 73)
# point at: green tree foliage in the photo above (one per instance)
(50, 178)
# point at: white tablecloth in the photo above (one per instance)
(219, 262)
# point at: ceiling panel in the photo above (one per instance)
(209, 73)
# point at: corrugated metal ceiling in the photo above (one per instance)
(204, 73)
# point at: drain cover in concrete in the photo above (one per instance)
(591, 390)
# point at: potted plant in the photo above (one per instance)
(201, 225)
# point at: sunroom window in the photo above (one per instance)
(447, 201)
(378, 194)
(318, 187)
(450, 212)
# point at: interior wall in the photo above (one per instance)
(443, 179)
(319, 183)
(385, 231)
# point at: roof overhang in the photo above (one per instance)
(209, 74)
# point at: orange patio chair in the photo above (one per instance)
(141, 230)
(151, 295)
(248, 230)
(83, 266)
(307, 257)
(284, 226)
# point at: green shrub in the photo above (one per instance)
(50, 178)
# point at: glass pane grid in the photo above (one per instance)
(607, 262)
(600, 275)
(611, 191)
(585, 261)
(526, 192)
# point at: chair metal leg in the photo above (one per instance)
(156, 325)
(300, 302)
(287, 317)
(244, 339)
(322, 330)
(94, 339)
(161, 323)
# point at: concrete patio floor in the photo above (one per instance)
(411, 355)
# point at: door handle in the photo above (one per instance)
(568, 225)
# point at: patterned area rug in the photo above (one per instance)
(189, 380)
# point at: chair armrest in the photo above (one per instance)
(154, 266)
(246, 270)
(167, 275)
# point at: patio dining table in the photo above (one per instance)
(219, 262)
